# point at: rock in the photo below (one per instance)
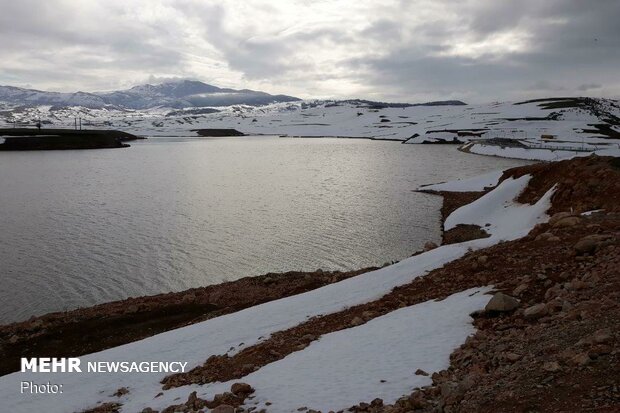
(194, 402)
(451, 392)
(602, 336)
(241, 389)
(581, 359)
(469, 381)
(420, 372)
(188, 298)
(520, 289)
(357, 321)
(536, 311)
(570, 221)
(502, 303)
(545, 236)
(121, 392)
(223, 408)
(482, 260)
(551, 366)
(575, 285)
(132, 309)
(418, 401)
(512, 357)
(553, 292)
(38, 323)
(554, 305)
(430, 246)
(590, 243)
(599, 350)
(376, 402)
(274, 353)
(368, 315)
(559, 216)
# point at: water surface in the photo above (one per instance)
(85, 227)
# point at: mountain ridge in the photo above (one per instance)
(176, 94)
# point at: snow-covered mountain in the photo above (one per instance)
(177, 94)
(31, 97)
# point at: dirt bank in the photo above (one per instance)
(63, 139)
(87, 330)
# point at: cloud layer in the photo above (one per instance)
(394, 50)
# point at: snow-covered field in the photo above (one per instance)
(540, 130)
(332, 373)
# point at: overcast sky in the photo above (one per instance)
(476, 50)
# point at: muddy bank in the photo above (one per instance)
(87, 330)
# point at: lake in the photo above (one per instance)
(84, 227)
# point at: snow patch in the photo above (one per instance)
(499, 214)
(376, 359)
(536, 154)
(474, 184)
(594, 211)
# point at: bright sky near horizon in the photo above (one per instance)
(393, 50)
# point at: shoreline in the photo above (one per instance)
(548, 351)
(24, 139)
(90, 329)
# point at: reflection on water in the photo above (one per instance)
(84, 227)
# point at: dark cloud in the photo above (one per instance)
(393, 50)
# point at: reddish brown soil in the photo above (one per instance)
(87, 330)
(502, 368)
(583, 184)
(454, 200)
(462, 233)
(451, 202)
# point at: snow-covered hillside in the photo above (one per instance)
(175, 94)
(540, 129)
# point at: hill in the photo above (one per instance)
(177, 94)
